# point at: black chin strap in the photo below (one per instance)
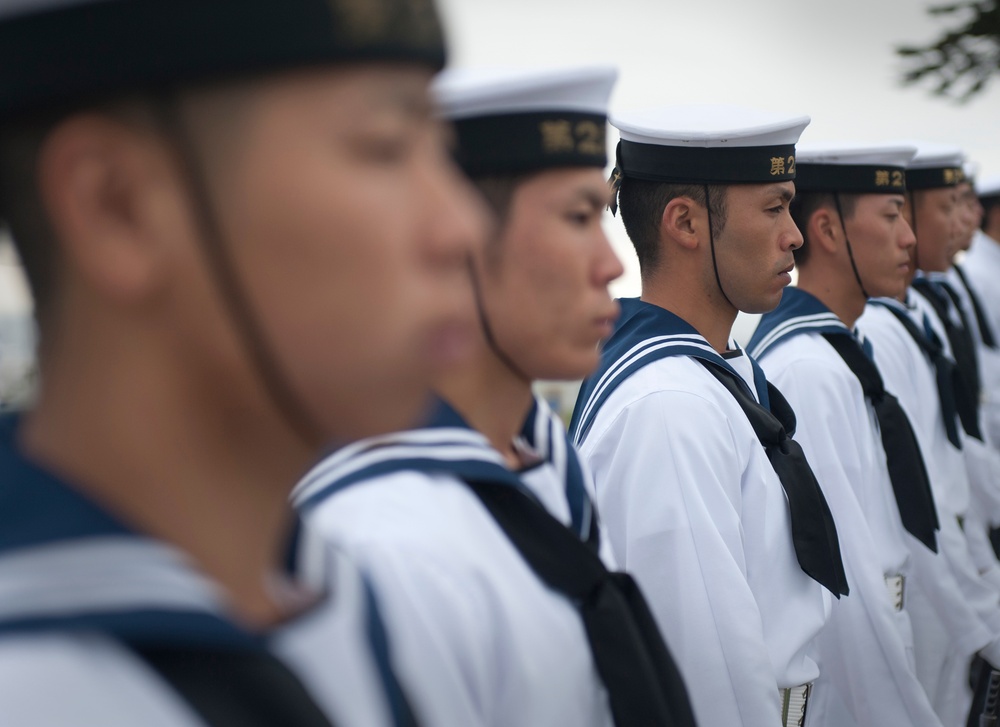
(233, 294)
(484, 323)
(850, 251)
(711, 243)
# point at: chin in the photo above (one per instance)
(572, 368)
(763, 304)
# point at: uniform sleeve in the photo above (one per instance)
(863, 654)
(84, 681)
(671, 502)
(442, 647)
(965, 605)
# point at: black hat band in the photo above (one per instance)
(524, 142)
(701, 165)
(934, 178)
(851, 178)
(88, 50)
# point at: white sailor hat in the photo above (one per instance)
(853, 168)
(934, 166)
(971, 170)
(988, 186)
(514, 121)
(57, 53)
(711, 144)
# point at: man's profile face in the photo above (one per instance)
(881, 241)
(545, 282)
(937, 228)
(754, 250)
(350, 229)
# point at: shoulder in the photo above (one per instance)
(83, 680)
(807, 360)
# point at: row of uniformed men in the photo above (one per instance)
(479, 585)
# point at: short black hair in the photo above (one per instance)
(21, 206)
(989, 203)
(642, 204)
(805, 204)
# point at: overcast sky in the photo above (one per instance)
(834, 61)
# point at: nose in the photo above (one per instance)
(607, 267)
(906, 237)
(791, 237)
(457, 220)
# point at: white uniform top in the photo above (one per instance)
(478, 638)
(697, 514)
(982, 458)
(76, 586)
(866, 648)
(966, 606)
(982, 267)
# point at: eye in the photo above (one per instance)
(776, 210)
(386, 149)
(580, 218)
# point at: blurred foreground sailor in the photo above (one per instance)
(245, 240)
(705, 498)
(913, 351)
(848, 205)
(477, 529)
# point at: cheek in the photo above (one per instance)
(337, 293)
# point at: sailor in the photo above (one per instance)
(477, 530)
(914, 354)
(706, 500)
(848, 205)
(245, 242)
(981, 266)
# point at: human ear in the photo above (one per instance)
(680, 222)
(105, 187)
(824, 229)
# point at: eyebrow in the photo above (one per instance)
(598, 200)
(785, 193)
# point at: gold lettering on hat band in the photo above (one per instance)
(889, 178)
(560, 136)
(782, 165)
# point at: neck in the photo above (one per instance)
(117, 418)
(842, 296)
(709, 314)
(993, 232)
(491, 398)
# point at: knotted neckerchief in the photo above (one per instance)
(801, 313)
(645, 688)
(945, 371)
(646, 333)
(941, 297)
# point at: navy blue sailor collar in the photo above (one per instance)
(798, 313)
(67, 564)
(645, 333)
(445, 444)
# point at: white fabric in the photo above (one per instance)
(709, 126)
(931, 155)
(866, 649)
(696, 513)
(954, 611)
(477, 638)
(89, 680)
(470, 92)
(982, 267)
(84, 680)
(843, 153)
